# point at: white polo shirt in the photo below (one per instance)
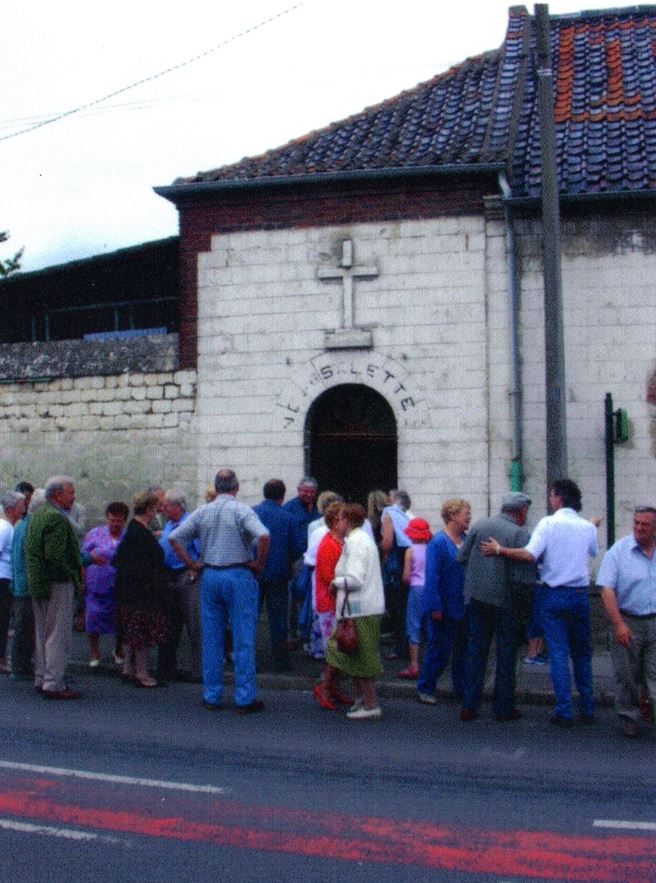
(564, 541)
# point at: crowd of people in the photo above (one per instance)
(332, 576)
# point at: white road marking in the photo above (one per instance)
(108, 777)
(50, 831)
(624, 825)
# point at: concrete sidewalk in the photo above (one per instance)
(533, 682)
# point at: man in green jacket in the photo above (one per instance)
(53, 563)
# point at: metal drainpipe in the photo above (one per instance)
(516, 473)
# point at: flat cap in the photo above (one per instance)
(515, 500)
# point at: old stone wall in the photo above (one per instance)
(84, 358)
(115, 434)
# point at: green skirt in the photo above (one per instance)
(366, 662)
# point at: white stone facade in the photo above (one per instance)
(438, 314)
(113, 434)
(263, 316)
(608, 272)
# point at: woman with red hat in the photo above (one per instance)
(414, 565)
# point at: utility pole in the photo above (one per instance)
(556, 422)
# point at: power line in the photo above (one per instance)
(168, 70)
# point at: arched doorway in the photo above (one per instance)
(351, 441)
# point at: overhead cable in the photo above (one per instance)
(168, 70)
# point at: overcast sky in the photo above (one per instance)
(83, 185)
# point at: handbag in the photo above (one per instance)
(346, 635)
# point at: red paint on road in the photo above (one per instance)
(528, 854)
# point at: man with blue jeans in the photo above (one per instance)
(489, 584)
(563, 542)
(229, 594)
(274, 579)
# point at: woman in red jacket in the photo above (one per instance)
(327, 693)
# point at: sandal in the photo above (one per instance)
(323, 700)
(409, 674)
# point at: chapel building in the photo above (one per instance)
(365, 304)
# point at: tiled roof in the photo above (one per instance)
(604, 68)
(440, 122)
(484, 111)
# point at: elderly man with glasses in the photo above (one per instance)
(627, 578)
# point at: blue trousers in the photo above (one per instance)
(229, 597)
(484, 621)
(276, 597)
(566, 624)
(446, 639)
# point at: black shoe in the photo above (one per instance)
(253, 708)
(586, 719)
(211, 706)
(628, 727)
(66, 693)
(562, 722)
(513, 715)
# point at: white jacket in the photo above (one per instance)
(359, 566)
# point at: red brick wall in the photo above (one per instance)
(271, 208)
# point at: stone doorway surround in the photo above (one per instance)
(351, 441)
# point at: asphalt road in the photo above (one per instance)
(147, 785)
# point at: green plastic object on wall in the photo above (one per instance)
(621, 425)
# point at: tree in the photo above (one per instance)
(11, 264)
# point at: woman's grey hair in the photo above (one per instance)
(38, 500)
(178, 498)
(308, 482)
(55, 484)
(10, 499)
(402, 498)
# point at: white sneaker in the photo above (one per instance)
(94, 663)
(118, 660)
(363, 714)
(359, 702)
(427, 698)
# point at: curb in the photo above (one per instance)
(390, 689)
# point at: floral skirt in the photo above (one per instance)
(143, 627)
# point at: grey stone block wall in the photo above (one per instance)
(85, 358)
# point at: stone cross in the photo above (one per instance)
(347, 273)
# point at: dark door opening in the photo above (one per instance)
(351, 442)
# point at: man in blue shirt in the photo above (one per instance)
(274, 579)
(227, 531)
(303, 511)
(627, 578)
(182, 600)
